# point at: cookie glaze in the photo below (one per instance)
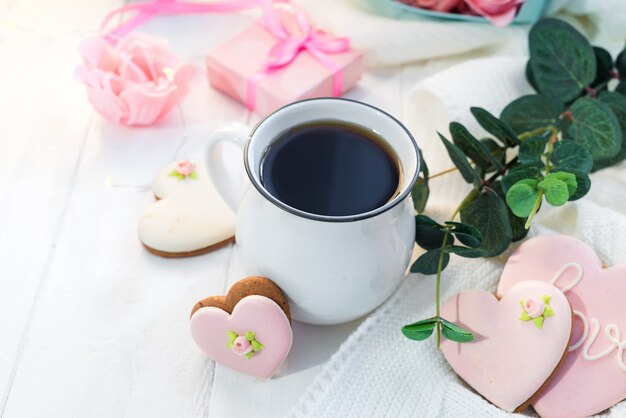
(510, 359)
(593, 376)
(190, 215)
(256, 318)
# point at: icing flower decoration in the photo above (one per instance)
(536, 310)
(135, 82)
(499, 12)
(244, 345)
(184, 169)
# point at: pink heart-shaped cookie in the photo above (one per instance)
(255, 338)
(519, 341)
(593, 377)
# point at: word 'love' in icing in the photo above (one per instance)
(611, 331)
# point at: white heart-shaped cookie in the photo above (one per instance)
(190, 217)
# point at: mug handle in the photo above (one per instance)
(228, 187)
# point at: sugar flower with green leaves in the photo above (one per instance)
(536, 310)
(244, 345)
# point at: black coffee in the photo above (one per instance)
(331, 168)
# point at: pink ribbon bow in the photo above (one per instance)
(291, 43)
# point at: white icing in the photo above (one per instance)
(613, 334)
(190, 215)
(583, 337)
(611, 331)
(575, 281)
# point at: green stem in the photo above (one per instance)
(438, 289)
(533, 212)
(470, 196)
(441, 173)
(503, 170)
(538, 132)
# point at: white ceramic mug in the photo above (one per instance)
(332, 268)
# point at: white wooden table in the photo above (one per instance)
(90, 323)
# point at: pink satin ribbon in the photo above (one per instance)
(147, 10)
(316, 42)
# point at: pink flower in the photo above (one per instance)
(136, 82)
(436, 5)
(534, 308)
(241, 345)
(184, 168)
(499, 12)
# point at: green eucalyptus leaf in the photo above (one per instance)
(554, 190)
(595, 127)
(620, 64)
(569, 156)
(419, 194)
(528, 71)
(420, 330)
(428, 263)
(521, 172)
(583, 184)
(498, 152)
(604, 64)
(522, 197)
(568, 178)
(465, 233)
(562, 60)
(455, 333)
(518, 225)
(472, 147)
(460, 161)
(495, 126)
(428, 233)
(461, 251)
(532, 112)
(617, 103)
(488, 213)
(531, 150)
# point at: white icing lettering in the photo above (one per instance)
(575, 281)
(583, 337)
(611, 331)
(612, 334)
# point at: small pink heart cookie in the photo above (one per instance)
(189, 217)
(519, 341)
(593, 377)
(245, 331)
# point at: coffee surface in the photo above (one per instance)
(331, 168)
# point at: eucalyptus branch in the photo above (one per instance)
(547, 168)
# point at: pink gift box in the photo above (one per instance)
(233, 63)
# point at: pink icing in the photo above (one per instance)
(534, 308)
(184, 168)
(509, 359)
(581, 387)
(241, 345)
(210, 327)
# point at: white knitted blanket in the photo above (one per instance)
(378, 372)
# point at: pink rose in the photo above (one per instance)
(499, 12)
(136, 82)
(436, 5)
(241, 345)
(534, 308)
(184, 168)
